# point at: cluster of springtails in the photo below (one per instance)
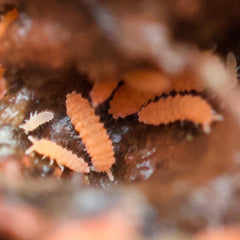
(92, 132)
(135, 95)
(83, 117)
(141, 87)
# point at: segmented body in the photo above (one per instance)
(101, 91)
(92, 132)
(37, 120)
(185, 81)
(171, 109)
(62, 156)
(127, 101)
(147, 81)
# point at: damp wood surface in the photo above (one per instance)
(147, 157)
(68, 16)
(168, 158)
(189, 180)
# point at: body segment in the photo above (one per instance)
(92, 132)
(171, 109)
(37, 120)
(62, 156)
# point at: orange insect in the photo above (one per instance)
(62, 156)
(9, 17)
(185, 81)
(147, 81)
(36, 120)
(101, 91)
(192, 108)
(127, 101)
(92, 132)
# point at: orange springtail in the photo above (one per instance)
(171, 109)
(92, 132)
(62, 156)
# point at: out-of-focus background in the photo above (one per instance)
(171, 181)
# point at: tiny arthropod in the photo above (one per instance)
(185, 81)
(127, 101)
(36, 120)
(102, 90)
(171, 109)
(92, 132)
(62, 156)
(147, 80)
(9, 17)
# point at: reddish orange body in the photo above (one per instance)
(171, 109)
(62, 156)
(147, 80)
(101, 91)
(127, 101)
(92, 132)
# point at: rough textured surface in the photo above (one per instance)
(167, 158)
(118, 46)
(92, 132)
(191, 179)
